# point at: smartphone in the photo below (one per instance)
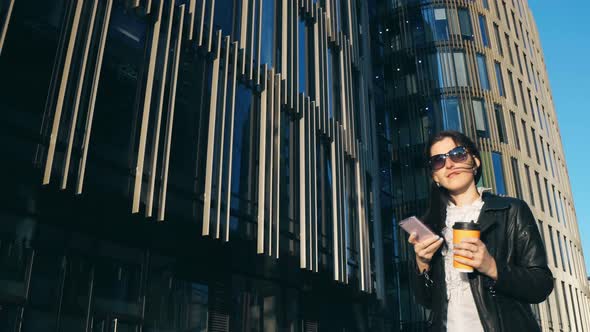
(414, 225)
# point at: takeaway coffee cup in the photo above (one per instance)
(462, 230)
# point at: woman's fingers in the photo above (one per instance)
(427, 251)
(412, 238)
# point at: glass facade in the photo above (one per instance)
(227, 165)
(189, 166)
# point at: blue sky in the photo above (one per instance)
(564, 28)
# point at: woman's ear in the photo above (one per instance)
(477, 161)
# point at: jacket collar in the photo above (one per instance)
(491, 203)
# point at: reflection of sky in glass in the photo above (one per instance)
(451, 115)
(127, 28)
(268, 13)
(483, 72)
(241, 121)
(499, 173)
(302, 62)
(222, 18)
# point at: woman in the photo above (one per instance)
(509, 259)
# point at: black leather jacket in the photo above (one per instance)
(511, 236)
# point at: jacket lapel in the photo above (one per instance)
(487, 218)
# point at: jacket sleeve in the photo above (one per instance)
(421, 283)
(527, 277)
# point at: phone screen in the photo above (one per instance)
(414, 225)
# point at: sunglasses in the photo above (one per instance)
(457, 155)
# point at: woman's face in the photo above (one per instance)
(454, 176)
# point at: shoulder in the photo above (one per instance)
(495, 202)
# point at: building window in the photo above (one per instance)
(465, 23)
(484, 30)
(482, 70)
(515, 130)
(567, 310)
(552, 245)
(506, 14)
(515, 26)
(557, 214)
(481, 123)
(560, 250)
(526, 138)
(522, 96)
(541, 116)
(542, 232)
(548, 198)
(452, 70)
(485, 4)
(528, 178)
(563, 212)
(539, 191)
(544, 154)
(499, 173)
(511, 80)
(499, 78)
(498, 40)
(531, 104)
(516, 176)
(518, 58)
(510, 56)
(500, 122)
(535, 145)
(451, 114)
(437, 21)
(551, 159)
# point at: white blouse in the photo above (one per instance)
(462, 313)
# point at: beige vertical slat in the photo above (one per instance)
(284, 36)
(170, 119)
(262, 168)
(302, 190)
(6, 23)
(191, 25)
(258, 42)
(309, 192)
(314, 188)
(251, 44)
(359, 207)
(148, 6)
(211, 138)
(62, 92)
(146, 111)
(218, 196)
(231, 108)
(342, 203)
(159, 105)
(211, 16)
(335, 207)
(82, 73)
(201, 23)
(277, 163)
(244, 25)
(93, 93)
(270, 128)
(289, 70)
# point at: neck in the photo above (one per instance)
(465, 196)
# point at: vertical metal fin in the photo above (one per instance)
(92, 99)
(61, 93)
(170, 119)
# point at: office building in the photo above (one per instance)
(240, 165)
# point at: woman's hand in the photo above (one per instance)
(474, 253)
(425, 250)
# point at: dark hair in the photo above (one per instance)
(436, 214)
